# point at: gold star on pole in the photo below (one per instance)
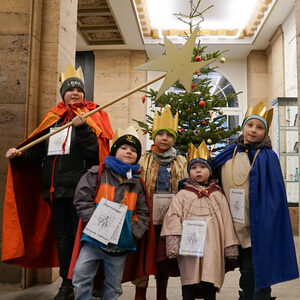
(177, 63)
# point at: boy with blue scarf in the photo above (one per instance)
(116, 181)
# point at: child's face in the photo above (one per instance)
(199, 172)
(126, 154)
(254, 131)
(73, 95)
(163, 141)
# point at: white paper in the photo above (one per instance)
(57, 140)
(193, 237)
(107, 221)
(161, 203)
(237, 205)
(116, 235)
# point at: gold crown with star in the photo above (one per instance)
(165, 120)
(200, 152)
(261, 110)
(129, 131)
(71, 72)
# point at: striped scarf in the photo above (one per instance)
(163, 158)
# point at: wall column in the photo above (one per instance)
(257, 77)
(37, 41)
(115, 75)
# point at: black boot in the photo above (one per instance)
(65, 293)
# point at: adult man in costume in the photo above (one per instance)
(50, 171)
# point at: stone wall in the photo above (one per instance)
(275, 54)
(18, 38)
(257, 77)
(115, 75)
(37, 41)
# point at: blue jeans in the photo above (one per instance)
(86, 268)
(247, 279)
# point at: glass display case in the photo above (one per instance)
(285, 144)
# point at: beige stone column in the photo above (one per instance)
(297, 16)
(115, 75)
(257, 77)
(37, 41)
(275, 53)
(265, 71)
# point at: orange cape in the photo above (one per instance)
(139, 263)
(28, 238)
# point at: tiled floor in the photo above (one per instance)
(284, 291)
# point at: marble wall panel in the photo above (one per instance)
(12, 10)
(276, 66)
(114, 76)
(13, 68)
(68, 25)
(51, 19)
(257, 77)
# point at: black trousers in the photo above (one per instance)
(65, 222)
(202, 290)
(162, 267)
(247, 279)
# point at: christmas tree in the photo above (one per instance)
(201, 117)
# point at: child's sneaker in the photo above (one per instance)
(65, 293)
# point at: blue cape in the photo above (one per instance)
(273, 250)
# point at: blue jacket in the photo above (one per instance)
(273, 250)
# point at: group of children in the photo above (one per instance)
(205, 231)
(160, 213)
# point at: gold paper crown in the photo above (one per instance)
(260, 110)
(166, 120)
(201, 152)
(128, 131)
(71, 72)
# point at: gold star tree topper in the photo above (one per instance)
(177, 63)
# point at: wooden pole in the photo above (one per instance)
(128, 93)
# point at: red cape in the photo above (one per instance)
(28, 238)
(139, 263)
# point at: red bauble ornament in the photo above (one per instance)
(182, 130)
(236, 102)
(193, 85)
(202, 103)
(196, 131)
(145, 132)
(227, 142)
(143, 99)
(198, 58)
(188, 109)
(203, 122)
